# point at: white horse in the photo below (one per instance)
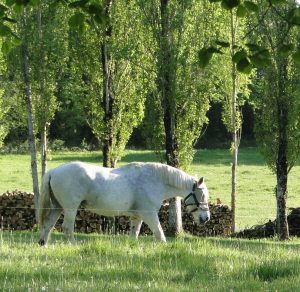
(136, 190)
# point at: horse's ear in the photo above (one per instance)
(201, 181)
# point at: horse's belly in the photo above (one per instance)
(111, 203)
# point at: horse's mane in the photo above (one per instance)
(167, 174)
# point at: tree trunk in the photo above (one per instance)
(44, 142)
(234, 129)
(44, 149)
(282, 162)
(166, 83)
(108, 98)
(31, 136)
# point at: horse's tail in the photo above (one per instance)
(44, 202)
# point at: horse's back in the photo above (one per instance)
(74, 179)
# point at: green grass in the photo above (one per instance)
(187, 263)
(118, 263)
(255, 193)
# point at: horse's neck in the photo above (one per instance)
(182, 192)
(177, 183)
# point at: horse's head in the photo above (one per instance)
(197, 202)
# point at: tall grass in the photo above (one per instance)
(118, 263)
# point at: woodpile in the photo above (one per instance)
(17, 213)
(268, 229)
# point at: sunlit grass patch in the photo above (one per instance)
(119, 263)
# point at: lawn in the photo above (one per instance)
(187, 263)
(118, 263)
(255, 193)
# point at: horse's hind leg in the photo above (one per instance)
(68, 224)
(49, 224)
(135, 227)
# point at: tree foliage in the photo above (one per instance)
(268, 95)
(126, 78)
(252, 55)
(189, 25)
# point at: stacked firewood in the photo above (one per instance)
(17, 213)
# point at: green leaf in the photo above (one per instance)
(9, 20)
(294, 16)
(213, 50)
(78, 4)
(95, 9)
(253, 47)
(223, 44)
(285, 49)
(10, 2)
(5, 30)
(6, 47)
(77, 19)
(230, 4)
(16, 41)
(204, 57)
(251, 6)
(18, 9)
(261, 58)
(238, 56)
(34, 3)
(212, 1)
(3, 9)
(241, 11)
(244, 66)
(277, 1)
(22, 2)
(296, 57)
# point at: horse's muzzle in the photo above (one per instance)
(204, 220)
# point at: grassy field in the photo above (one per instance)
(118, 263)
(255, 196)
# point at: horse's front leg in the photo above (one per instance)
(135, 226)
(152, 220)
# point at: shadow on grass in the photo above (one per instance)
(247, 156)
(258, 244)
(96, 157)
(140, 156)
(92, 157)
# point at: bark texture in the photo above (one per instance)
(282, 160)
(31, 135)
(234, 127)
(166, 84)
(108, 96)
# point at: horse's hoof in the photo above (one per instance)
(41, 242)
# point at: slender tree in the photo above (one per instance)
(115, 94)
(182, 91)
(48, 54)
(28, 97)
(278, 107)
(3, 124)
